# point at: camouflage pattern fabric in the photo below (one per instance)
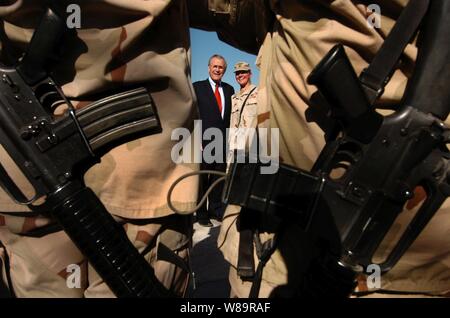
(43, 267)
(120, 43)
(303, 32)
(242, 117)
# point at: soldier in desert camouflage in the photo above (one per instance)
(118, 43)
(243, 109)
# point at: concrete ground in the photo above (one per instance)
(209, 267)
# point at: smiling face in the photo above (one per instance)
(243, 78)
(216, 69)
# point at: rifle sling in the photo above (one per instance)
(375, 77)
(243, 105)
(246, 262)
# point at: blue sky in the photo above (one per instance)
(204, 44)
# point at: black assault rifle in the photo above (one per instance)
(53, 153)
(381, 162)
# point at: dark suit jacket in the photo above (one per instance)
(209, 110)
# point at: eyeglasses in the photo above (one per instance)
(241, 72)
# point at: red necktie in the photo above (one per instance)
(218, 99)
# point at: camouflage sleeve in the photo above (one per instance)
(240, 23)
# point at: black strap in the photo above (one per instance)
(40, 231)
(264, 252)
(243, 105)
(375, 77)
(164, 253)
(246, 261)
(24, 214)
(43, 230)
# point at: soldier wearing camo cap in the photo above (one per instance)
(119, 42)
(243, 109)
(242, 66)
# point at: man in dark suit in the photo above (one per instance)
(214, 103)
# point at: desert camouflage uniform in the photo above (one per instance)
(242, 118)
(300, 35)
(120, 42)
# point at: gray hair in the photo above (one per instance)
(218, 56)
